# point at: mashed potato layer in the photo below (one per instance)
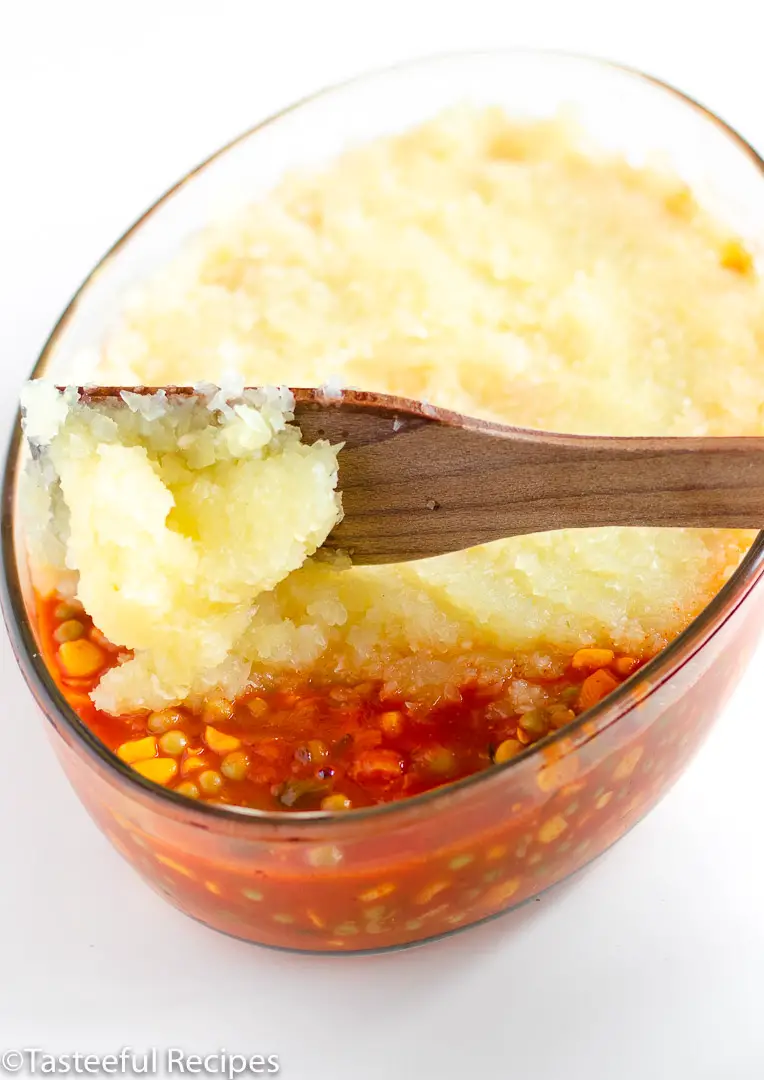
(505, 270)
(176, 515)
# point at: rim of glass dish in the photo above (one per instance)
(632, 693)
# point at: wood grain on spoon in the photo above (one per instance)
(418, 481)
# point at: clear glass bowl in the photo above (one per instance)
(401, 873)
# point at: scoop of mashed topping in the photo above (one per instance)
(178, 515)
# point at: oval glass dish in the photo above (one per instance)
(405, 872)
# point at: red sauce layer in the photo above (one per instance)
(304, 746)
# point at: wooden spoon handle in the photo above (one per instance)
(418, 481)
(438, 487)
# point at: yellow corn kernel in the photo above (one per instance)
(317, 750)
(377, 893)
(324, 855)
(336, 802)
(572, 789)
(392, 723)
(429, 892)
(179, 868)
(595, 687)
(552, 828)
(68, 631)
(624, 666)
(734, 256)
(216, 710)
(219, 741)
(138, 750)
(191, 791)
(159, 770)
(499, 894)
(592, 659)
(173, 743)
(557, 773)
(193, 764)
(681, 203)
(628, 763)
(235, 765)
(507, 750)
(80, 658)
(159, 722)
(210, 781)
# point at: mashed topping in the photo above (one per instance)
(177, 515)
(502, 269)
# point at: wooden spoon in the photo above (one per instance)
(417, 481)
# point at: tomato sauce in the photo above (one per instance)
(303, 746)
(344, 882)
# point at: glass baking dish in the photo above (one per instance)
(401, 873)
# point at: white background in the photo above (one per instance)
(649, 965)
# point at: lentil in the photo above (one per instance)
(217, 710)
(173, 743)
(68, 631)
(67, 609)
(235, 765)
(159, 722)
(191, 791)
(81, 658)
(210, 782)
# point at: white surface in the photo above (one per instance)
(650, 964)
